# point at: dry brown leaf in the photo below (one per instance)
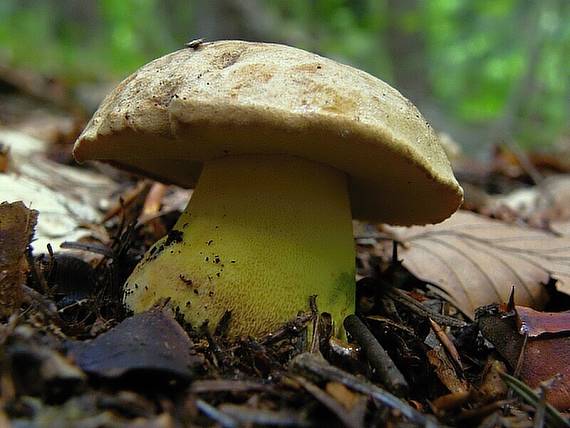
(476, 260)
(544, 358)
(548, 201)
(492, 387)
(343, 395)
(534, 323)
(561, 228)
(131, 348)
(16, 230)
(445, 371)
(66, 197)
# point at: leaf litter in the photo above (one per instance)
(476, 260)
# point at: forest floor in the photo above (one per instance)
(465, 322)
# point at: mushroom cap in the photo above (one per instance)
(228, 98)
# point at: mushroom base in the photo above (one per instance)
(260, 235)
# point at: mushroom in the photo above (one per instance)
(283, 148)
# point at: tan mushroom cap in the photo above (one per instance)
(233, 97)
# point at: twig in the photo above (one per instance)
(226, 385)
(90, 247)
(319, 367)
(520, 359)
(292, 327)
(36, 274)
(415, 306)
(131, 195)
(315, 342)
(246, 415)
(447, 343)
(215, 350)
(224, 420)
(221, 329)
(483, 411)
(377, 356)
(346, 417)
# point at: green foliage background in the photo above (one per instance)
(487, 64)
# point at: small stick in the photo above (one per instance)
(216, 351)
(130, 196)
(395, 260)
(378, 358)
(91, 247)
(447, 343)
(416, 307)
(223, 419)
(292, 327)
(483, 411)
(314, 345)
(317, 366)
(348, 418)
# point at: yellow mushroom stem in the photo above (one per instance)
(260, 235)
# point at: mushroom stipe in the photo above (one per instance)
(286, 222)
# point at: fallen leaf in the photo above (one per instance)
(492, 387)
(445, 371)
(66, 197)
(444, 368)
(561, 228)
(37, 368)
(534, 323)
(554, 159)
(343, 395)
(4, 158)
(151, 342)
(548, 201)
(543, 358)
(451, 401)
(17, 225)
(476, 260)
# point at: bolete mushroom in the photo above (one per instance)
(284, 148)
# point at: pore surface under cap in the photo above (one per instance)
(234, 97)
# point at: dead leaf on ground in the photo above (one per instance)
(549, 201)
(476, 260)
(66, 197)
(151, 342)
(492, 387)
(347, 398)
(445, 370)
(535, 323)
(544, 358)
(38, 370)
(17, 225)
(561, 228)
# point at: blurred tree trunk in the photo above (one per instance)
(407, 50)
(83, 14)
(234, 19)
